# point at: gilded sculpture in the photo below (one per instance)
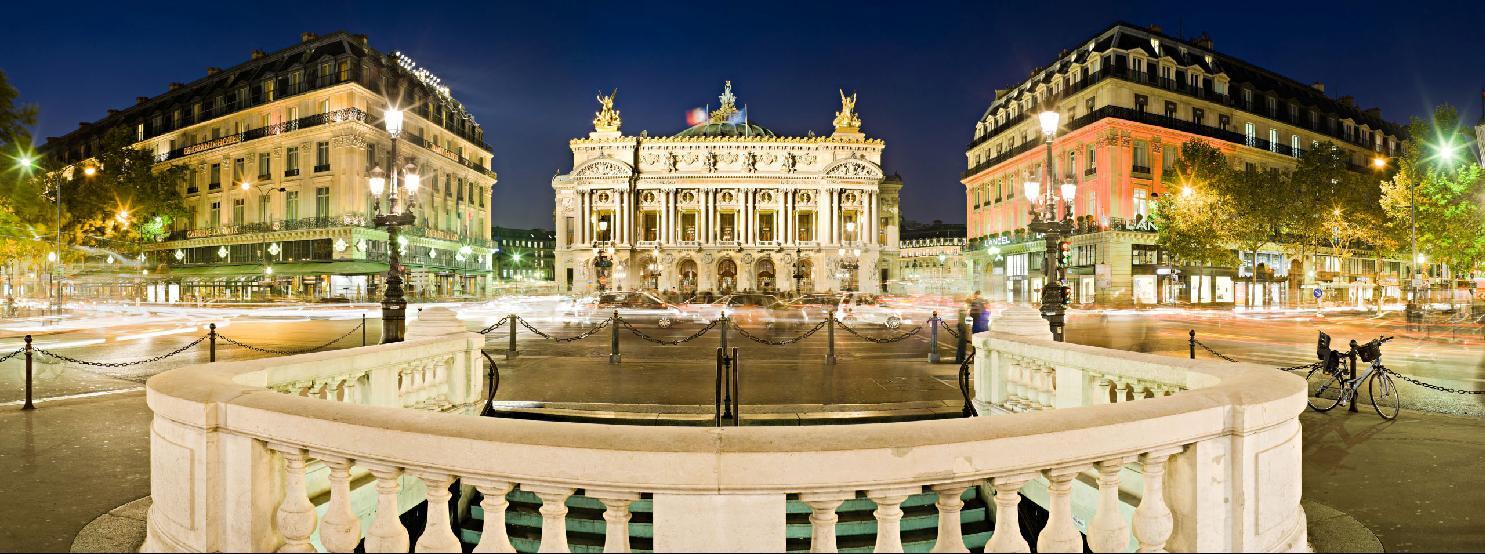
(606, 119)
(846, 120)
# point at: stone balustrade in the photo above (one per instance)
(1213, 467)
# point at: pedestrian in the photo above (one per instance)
(979, 317)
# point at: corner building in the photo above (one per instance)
(1129, 97)
(726, 206)
(279, 150)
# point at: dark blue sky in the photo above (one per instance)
(924, 70)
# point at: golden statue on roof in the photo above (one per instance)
(846, 120)
(729, 105)
(606, 119)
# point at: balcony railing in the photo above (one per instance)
(449, 154)
(288, 433)
(343, 220)
(334, 116)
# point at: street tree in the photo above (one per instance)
(1191, 219)
(1436, 173)
(1329, 206)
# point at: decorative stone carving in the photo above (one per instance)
(789, 162)
(606, 120)
(855, 169)
(603, 167)
(846, 120)
(710, 162)
(688, 197)
(750, 162)
(671, 160)
(351, 140)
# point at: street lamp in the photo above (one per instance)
(394, 303)
(1053, 228)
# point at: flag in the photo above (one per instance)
(740, 116)
(696, 116)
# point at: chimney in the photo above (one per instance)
(1348, 101)
(1374, 113)
(112, 111)
(176, 86)
(213, 71)
(140, 100)
(1155, 28)
(1203, 41)
(83, 124)
(307, 36)
(1317, 85)
(1000, 92)
(259, 54)
(361, 39)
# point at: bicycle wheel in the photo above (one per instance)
(1325, 389)
(1384, 395)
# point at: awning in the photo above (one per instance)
(281, 269)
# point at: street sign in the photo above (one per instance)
(1317, 293)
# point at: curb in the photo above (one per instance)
(1331, 530)
(122, 529)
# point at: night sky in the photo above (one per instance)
(924, 70)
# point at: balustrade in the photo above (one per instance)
(230, 454)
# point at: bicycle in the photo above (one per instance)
(1331, 376)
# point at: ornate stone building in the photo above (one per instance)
(279, 150)
(726, 206)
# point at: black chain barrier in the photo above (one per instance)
(1431, 385)
(886, 340)
(7, 357)
(645, 336)
(1394, 373)
(228, 340)
(73, 360)
(584, 335)
(964, 382)
(784, 342)
(949, 328)
(492, 328)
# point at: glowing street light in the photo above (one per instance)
(90, 171)
(1187, 191)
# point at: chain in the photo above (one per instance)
(887, 340)
(1430, 385)
(1313, 365)
(492, 328)
(761, 340)
(694, 336)
(1212, 352)
(948, 327)
(494, 382)
(582, 336)
(70, 359)
(228, 340)
(964, 378)
(7, 357)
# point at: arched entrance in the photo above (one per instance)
(688, 275)
(726, 276)
(763, 275)
(804, 276)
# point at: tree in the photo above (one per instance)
(1191, 222)
(16, 233)
(127, 199)
(1435, 172)
(1330, 206)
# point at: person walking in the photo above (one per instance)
(979, 317)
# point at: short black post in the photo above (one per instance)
(212, 335)
(726, 385)
(363, 329)
(1352, 408)
(830, 336)
(962, 344)
(613, 341)
(510, 351)
(1192, 344)
(717, 398)
(933, 356)
(723, 326)
(736, 392)
(28, 405)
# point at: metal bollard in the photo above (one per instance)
(723, 326)
(212, 335)
(28, 405)
(830, 337)
(1192, 344)
(736, 392)
(933, 355)
(363, 329)
(613, 341)
(960, 346)
(1354, 398)
(510, 351)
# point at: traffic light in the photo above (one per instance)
(1064, 253)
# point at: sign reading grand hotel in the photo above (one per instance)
(214, 143)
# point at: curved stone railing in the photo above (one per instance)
(1217, 465)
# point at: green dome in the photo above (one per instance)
(726, 130)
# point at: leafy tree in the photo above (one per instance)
(16, 233)
(1327, 205)
(126, 191)
(1192, 219)
(1449, 191)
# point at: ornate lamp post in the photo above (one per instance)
(849, 259)
(602, 264)
(394, 303)
(1053, 228)
(798, 272)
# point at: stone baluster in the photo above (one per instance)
(386, 533)
(1049, 387)
(1033, 381)
(1015, 386)
(1108, 532)
(1152, 518)
(492, 536)
(340, 531)
(823, 517)
(889, 516)
(553, 516)
(353, 390)
(438, 534)
(1007, 534)
(950, 502)
(616, 517)
(296, 514)
(1105, 391)
(1061, 533)
(1121, 391)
